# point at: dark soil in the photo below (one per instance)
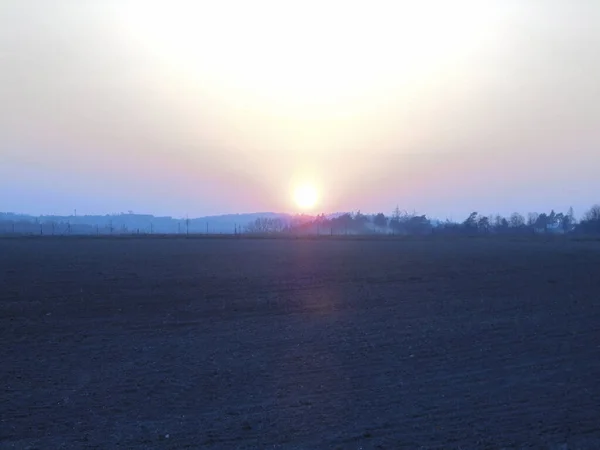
(228, 343)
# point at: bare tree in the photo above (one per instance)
(517, 220)
(265, 225)
(593, 215)
(532, 219)
(470, 222)
(590, 222)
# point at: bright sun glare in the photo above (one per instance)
(306, 74)
(293, 55)
(306, 197)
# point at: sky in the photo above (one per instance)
(183, 107)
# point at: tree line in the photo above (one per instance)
(404, 223)
(399, 222)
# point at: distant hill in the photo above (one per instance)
(131, 223)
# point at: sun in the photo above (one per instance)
(306, 197)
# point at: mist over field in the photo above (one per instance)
(399, 222)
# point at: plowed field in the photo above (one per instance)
(240, 343)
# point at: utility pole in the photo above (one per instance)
(187, 225)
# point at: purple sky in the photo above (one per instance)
(199, 108)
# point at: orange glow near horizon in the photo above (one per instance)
(205, 107)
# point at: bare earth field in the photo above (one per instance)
(239, 343)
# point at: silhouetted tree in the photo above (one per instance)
(359, 222)
(418, 225)
(397, 219)
(265, 225)
(552, 217)
(532, 219)
(593, 215)
(568, 220)
(517, 220)
(449, 227)
(590, 222)
(483, 224)
(497, 221)
(501, 224)
(343, 223)
(470, 223)
(380, 220)
(542, 222)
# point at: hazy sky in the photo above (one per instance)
(204, 107)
